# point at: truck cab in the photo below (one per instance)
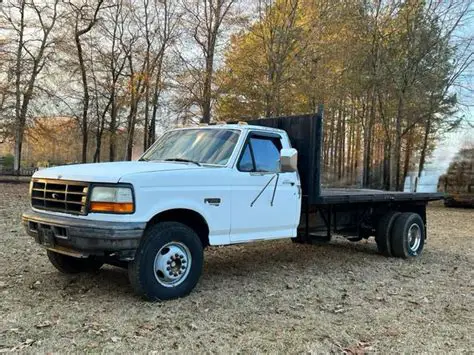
(195, 187)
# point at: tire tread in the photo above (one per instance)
(383, 231)
(134, 269)
(398, 236)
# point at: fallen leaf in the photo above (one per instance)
(147, 326)
(44, 324)
(361, 348)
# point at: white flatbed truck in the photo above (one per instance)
(209, 185)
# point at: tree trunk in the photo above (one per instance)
(397, 146)
(406, 165)
(424, 147)
(113, 131)
(343, 146)
(98, 145)
(20, 126)
(386, 165)
(130, 131)
(155, 102)
(18, 146)
(85, 88)
(207, 93)
(368, 147)
(337, 140)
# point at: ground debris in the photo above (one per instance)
(360, 348)
(23, 345)
(44, 324)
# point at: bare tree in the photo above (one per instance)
(278, 31)
(113, 58)
(33, 49)
(205, 20)
(85, 16)
(167, 33)
(151, 31)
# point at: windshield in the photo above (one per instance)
(200, 146)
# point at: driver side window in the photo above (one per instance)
(261, 154)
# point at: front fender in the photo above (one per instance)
(217, 217)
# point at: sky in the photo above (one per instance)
(452, 142)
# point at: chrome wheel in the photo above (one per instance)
(172, 264)
(414, 237)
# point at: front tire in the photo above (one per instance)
(168, 262)
(70, 265)
(408, 235)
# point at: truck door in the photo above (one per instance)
(265, 203)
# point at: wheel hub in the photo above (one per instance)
(414, 237)
(172, 264)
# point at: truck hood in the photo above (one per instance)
(108, 172)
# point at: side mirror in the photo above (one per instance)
(288, 160)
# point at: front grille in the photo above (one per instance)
(60, 196)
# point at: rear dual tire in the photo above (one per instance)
(408, 235)
(400, 234)
(383, 232)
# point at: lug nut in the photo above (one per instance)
(183, 267)
(175, 274)
(176, 255)
(181, 256)
(168, 268)
(171, 273)
(168, 262)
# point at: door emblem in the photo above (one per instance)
(212, 201)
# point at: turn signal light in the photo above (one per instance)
(113, 207)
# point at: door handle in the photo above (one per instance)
(288, 182)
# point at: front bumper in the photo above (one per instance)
(72, 235)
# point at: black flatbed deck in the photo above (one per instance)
(346, 195)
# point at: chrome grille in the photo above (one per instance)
(60, 196)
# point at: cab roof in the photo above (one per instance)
(241, 127)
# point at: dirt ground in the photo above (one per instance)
(263, 297)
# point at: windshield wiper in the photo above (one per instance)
(183, 160)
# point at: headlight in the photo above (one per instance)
(112, 199)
